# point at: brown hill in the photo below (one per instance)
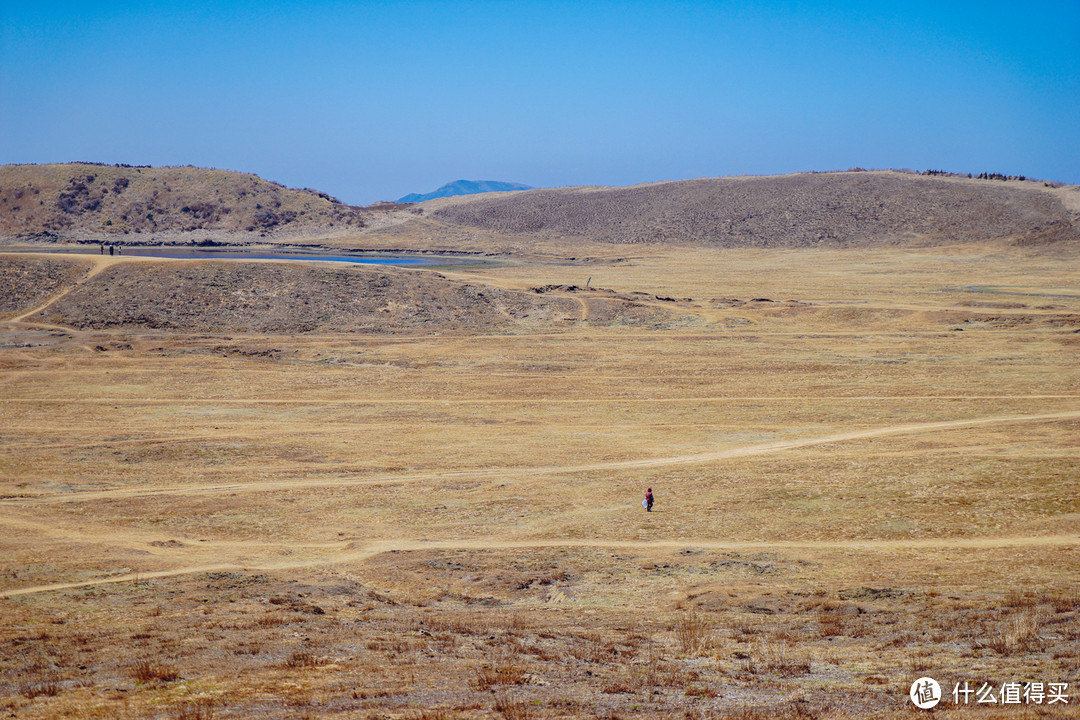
(303, 297)
(65, 201)
(806, 210)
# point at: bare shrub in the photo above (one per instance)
(301, 659)
(1063, 602)
(490, 676)
(459, 625)
(592, 648)
(511, 709)
(651, 672)
(45, 686)
(779, 658)
(271, 619)
(695, 633)
(1019, 634)
(149, 670)
(919, 660)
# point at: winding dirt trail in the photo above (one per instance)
(357, 555)
(257, 556)
(500, 472)
(97, 265)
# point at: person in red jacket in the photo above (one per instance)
(648, 500)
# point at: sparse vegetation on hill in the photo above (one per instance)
(50, 201)
(806, 210)
(29, 280)
(290, 298)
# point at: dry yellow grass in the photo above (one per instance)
(869, 479)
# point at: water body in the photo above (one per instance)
(180, 253)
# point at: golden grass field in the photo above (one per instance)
(869, 479)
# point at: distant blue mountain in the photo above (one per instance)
(465, 187)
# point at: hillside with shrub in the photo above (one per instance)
(62, 201)
(804, 210)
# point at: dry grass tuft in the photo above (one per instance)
(149, 671)
(1019, 634)
(1063, 602)
(695, 633)
(301, 659)
(510, 708)
(45, 686)
(488, 677)
(772, 656)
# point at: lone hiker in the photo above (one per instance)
(648, 500)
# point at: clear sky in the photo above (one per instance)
(373, 100)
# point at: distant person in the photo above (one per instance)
(102, 248)
(648, 501)
(110, 249)
(119, 249)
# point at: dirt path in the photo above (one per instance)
(478, 473)
(356, 555)
(97, 263)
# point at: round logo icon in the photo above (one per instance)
(925, 693)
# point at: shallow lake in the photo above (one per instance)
(208, 254)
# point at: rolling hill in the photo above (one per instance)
(84, 202)
(804, 210)
(50, 201)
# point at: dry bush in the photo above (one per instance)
(651, 672)
(47, 686)
(1019, 634)
(695, 633)
(592, 648)
(515, 622)
(543, 653)
(301, 659)
(919, 660)
(270, 620)
(149, 670)
(745, 628)
(779, 658)
(511, 709)
(458, 625)
(701, 691)
(841, 621)
(1063, 602)
(617, 687)
(490, 676)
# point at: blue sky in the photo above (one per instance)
(373, 100)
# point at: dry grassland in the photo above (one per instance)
(865, 465)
